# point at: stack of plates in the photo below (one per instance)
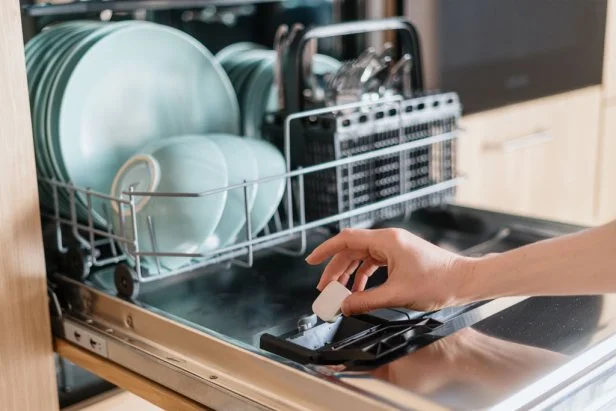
(100, 91)
(251, 70)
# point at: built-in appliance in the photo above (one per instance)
(237, 332)
(495, 53)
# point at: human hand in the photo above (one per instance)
(421, 276)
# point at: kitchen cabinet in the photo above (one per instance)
(536, 158)
(609, 60)
(116, 401)
(27, 376)
(606, 189)
(606, 178)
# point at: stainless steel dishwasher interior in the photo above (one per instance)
(243, 303)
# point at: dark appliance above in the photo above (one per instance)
(495, 53)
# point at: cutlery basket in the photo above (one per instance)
(422, 126)
(418, 135)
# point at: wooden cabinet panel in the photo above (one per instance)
(606, 189)
(27, 374)
(537, 158)
(609, 59)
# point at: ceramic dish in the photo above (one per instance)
(52, 161)
(152, 82)
(252, 73)
(242, 166)
(261, 95)
(191, 164)
(270, 163)
(235, 48)
(42, 76)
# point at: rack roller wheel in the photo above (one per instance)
(76, 263)
(125, 282)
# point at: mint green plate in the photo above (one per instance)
(43, 72)
(135, 85)
(260, 95)
(54, 164)
(226, 53)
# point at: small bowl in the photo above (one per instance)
(242, 165)
(270, 163)
(191, 164)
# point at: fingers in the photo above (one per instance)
(342, 263)
(362, 302)
(344, 278)
(362, 275)
(350, 239)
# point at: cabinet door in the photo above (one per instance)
(537, 158)
(606, 189)
(609, 59)
(27, 375)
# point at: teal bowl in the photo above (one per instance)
(191, 164)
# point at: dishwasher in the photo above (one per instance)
(234, 329)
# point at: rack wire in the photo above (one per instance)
(96, 6)
(415, 137)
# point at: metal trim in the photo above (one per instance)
(556, 382)
(144, 342)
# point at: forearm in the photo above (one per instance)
(581, 263)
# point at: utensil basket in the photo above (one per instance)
(331, 137)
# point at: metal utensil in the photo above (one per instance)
(279, 41)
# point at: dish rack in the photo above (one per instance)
(348, 165)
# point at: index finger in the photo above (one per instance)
(348, 239)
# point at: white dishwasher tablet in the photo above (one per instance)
(328, 303)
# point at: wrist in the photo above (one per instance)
(471, 287)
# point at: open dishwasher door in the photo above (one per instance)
(239, 338)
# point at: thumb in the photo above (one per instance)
(361, 302)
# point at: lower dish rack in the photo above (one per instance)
(360, 164)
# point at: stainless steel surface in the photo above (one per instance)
(517, 359)
(541, 353)
(199, 335)
(202, 364)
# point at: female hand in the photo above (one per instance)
(421, 276)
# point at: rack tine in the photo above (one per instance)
(112, 245)
(133, 215)
(277, 221)
(302, 217)
(302, 214)
(56, 209)
(248, 227)
(123, 208)
(152, 235)
(93, 248)
(73, 207)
